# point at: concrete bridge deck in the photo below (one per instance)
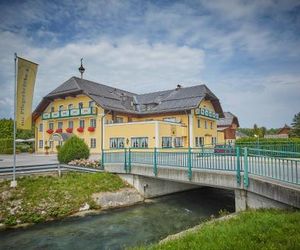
(257, 180)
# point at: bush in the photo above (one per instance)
(74, 148)
(5, 144)
(10, 151)
(23, 147)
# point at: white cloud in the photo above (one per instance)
(135, 66)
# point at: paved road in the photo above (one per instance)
(26, 159)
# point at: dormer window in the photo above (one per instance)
(61, 107)
(80, 105)
(70, 106)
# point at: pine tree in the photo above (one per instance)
(295, 131)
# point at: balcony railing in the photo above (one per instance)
(70, 113)
(207, 113)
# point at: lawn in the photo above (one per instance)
(261, 229)
(44, 198)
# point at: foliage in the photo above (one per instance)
(268, 141)
(7, 128)
(261, 132)
(5, 145)
(295, 131)
(40, 198)
(23, 147)
(85, 163)
(261, 229)
(74, 148)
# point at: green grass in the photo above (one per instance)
(43, 198)
(261, 229)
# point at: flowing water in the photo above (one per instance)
(133, 226)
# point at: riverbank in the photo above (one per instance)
(260, 229)
(43, 198)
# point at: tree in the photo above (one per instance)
(74, 148)
(295, 131)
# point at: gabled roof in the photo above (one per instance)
(228, 119)
(286, 127)
(110, 98)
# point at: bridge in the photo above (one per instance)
(258, 177)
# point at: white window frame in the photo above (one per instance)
(166, 142)
(69, 123)
(93, 143)
(41, 127)
(60, 125)
(41, 143)
(178, 142)
(82, 122)
(93, 122)
(139, 142)
(116, 142)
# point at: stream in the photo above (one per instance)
(126, 227)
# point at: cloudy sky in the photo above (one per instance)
(246, 52)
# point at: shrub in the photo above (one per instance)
(23, 147)
(74, 148)
(10, 151)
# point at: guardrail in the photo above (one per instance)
(44, 168)
(243, 161)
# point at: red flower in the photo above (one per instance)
(50, 131)
(91, 129)
(59, 130)
(80, 129)
(69, 130)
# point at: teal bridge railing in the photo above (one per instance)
(279, 165)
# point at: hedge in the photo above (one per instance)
(5, 145)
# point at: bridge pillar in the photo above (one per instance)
(245, 200)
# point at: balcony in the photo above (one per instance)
(207, 113)
(70, 113)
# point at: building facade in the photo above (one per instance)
(227, 127)
(109, 118)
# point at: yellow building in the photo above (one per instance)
(108, 118)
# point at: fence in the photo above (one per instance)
(244, 161)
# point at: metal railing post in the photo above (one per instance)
(246, 178)
(129, 160)
(102, 159)
(155, 162)
(190, 164)
(125, 160)
(238, 166)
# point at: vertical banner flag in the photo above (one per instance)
(25, 85)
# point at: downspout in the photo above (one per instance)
(102, 128)
(189, 139)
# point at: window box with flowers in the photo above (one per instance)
(91, 129)
(59, 130)
(50, 131)
(69, 130)
(80, 129)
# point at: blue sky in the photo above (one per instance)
(246, 52)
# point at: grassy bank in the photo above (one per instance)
(262, 229)
(43, 198)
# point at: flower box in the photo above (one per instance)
(59, 130)
(50, 131)
(69, 130)
(91, 129)
(80, 129)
